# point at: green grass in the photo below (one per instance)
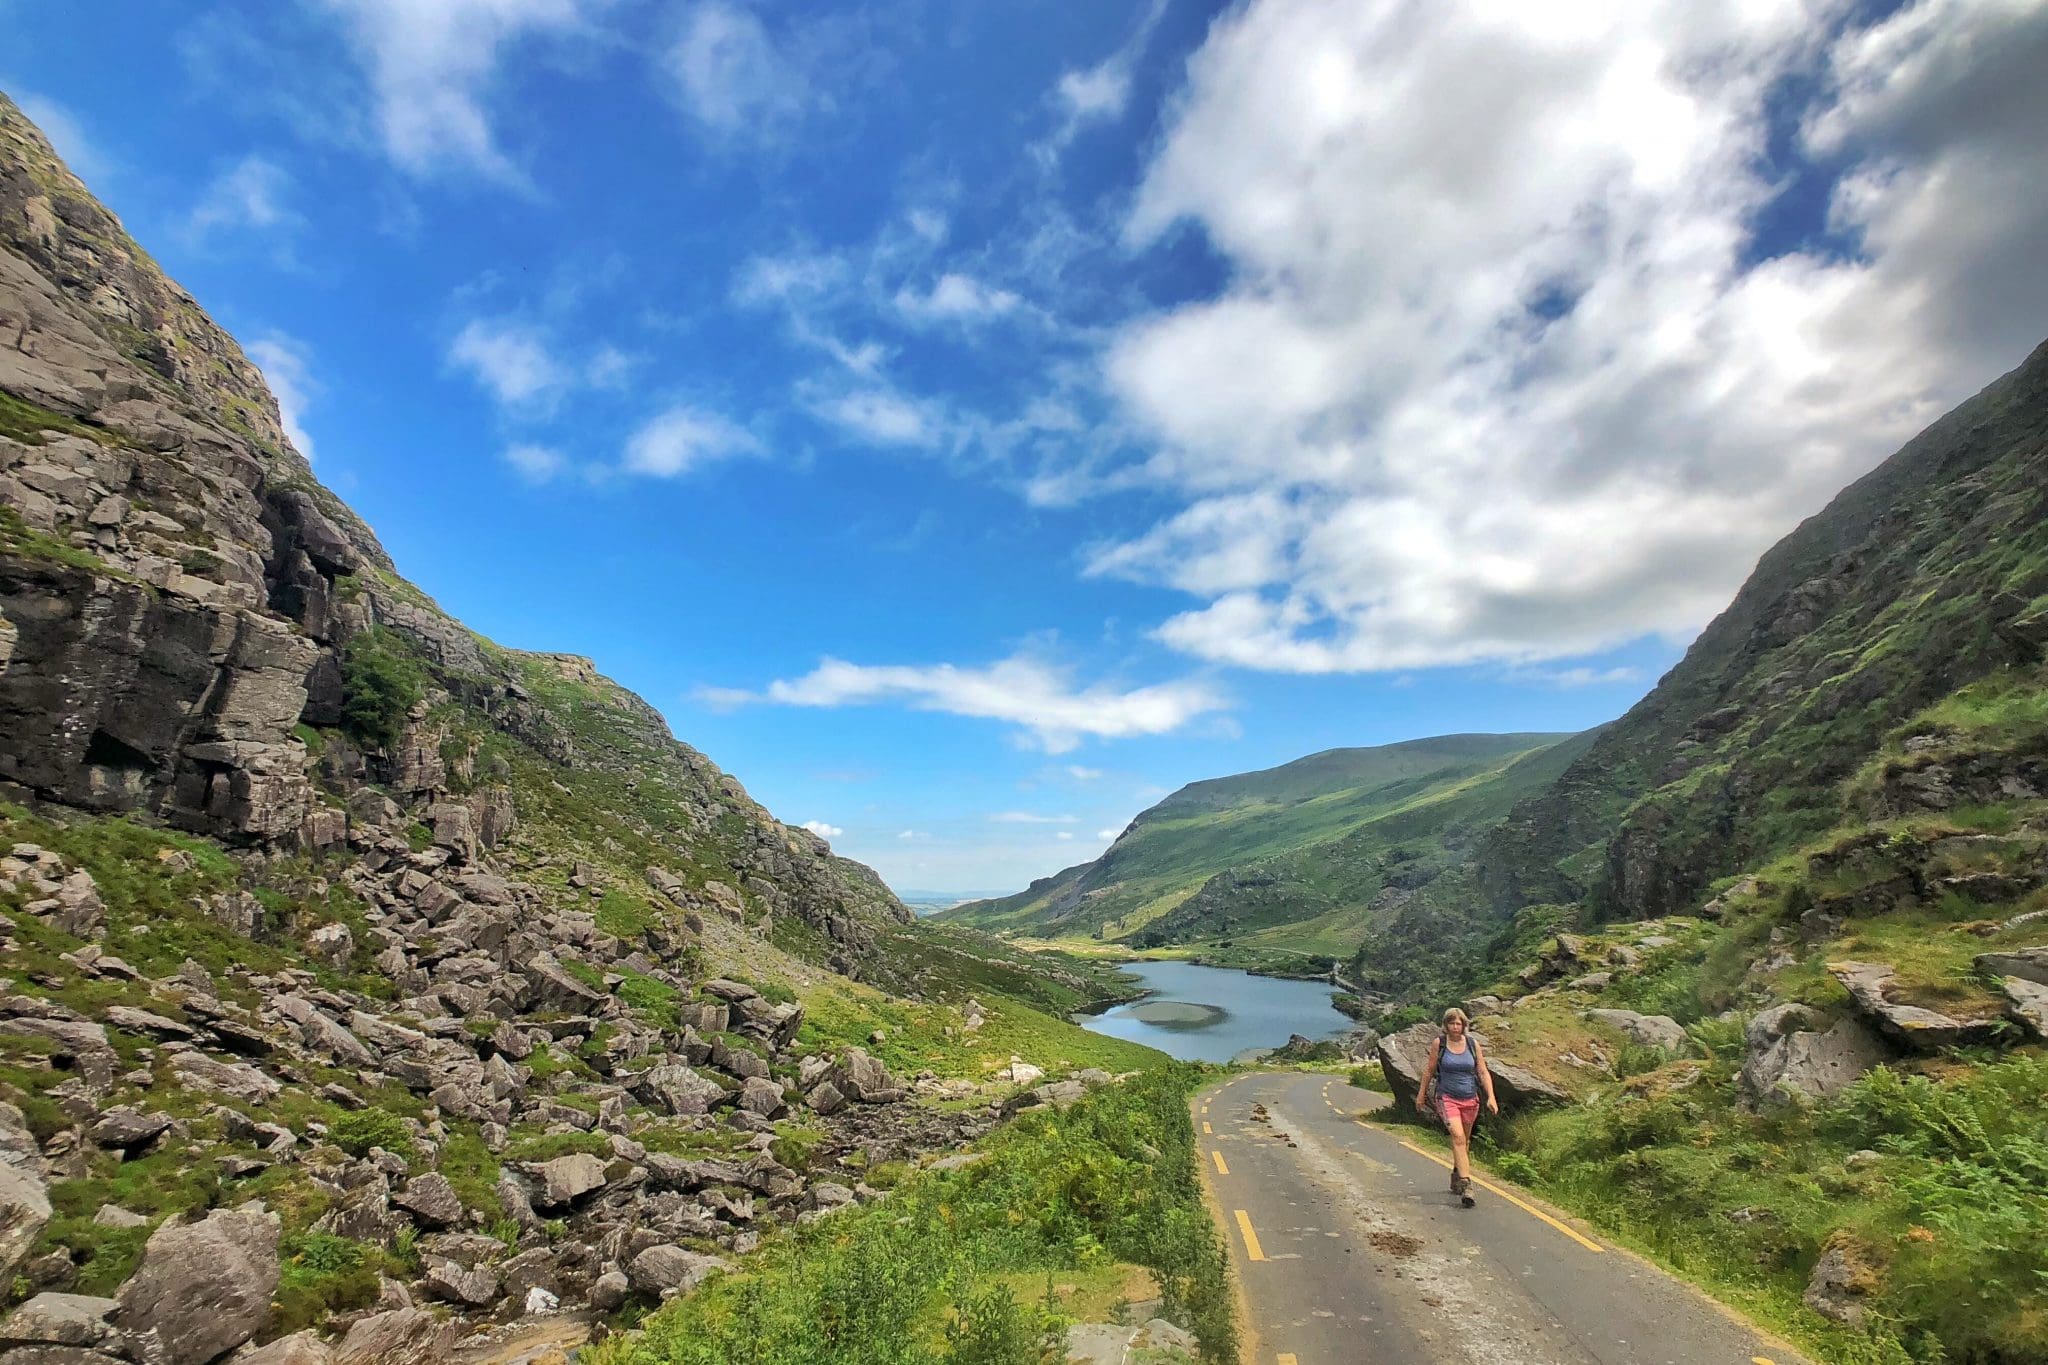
(1954, 1208)
(919, 1277)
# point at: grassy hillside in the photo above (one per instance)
(1926, 1180)
(1316, 839)
(1927, 573)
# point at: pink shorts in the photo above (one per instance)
(1466, 1110)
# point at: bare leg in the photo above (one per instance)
(1461, 1144)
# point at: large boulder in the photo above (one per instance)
(660, 1271)
(864, 1079)
(2026, 1004)
(1648, 1030)
(1918, 1029)
(1405, 1055)
(202, 1288)
(679, 1090)
(1790, 1060)
(566, 1179)
(59, 1320)
(2028, 963)
(431, 1199)
(404, 1336)
(24, 1213)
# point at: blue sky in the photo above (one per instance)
(968, 423)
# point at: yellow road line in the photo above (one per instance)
(1221, 1169)
(1251, 1239)
(1287, 1358)
(1207, 1130)
(1495, 1189)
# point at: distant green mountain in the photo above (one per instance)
(1294, 857)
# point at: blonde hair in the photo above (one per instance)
(1454, 1013)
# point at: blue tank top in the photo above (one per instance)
(1457, 1073)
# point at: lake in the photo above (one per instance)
(1210, 1014)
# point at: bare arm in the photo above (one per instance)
(1422, 1094)
(1485, 1076)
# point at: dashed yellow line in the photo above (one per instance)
(1207, 1131)
(1286, 1358)
(1221, 1169)
(1252, 1250)
(1491, 1188)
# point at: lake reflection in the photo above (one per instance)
(1211, 1014)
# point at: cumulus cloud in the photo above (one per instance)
(1110, 834)
(1098, 93)
(823, 830)
(913, 834)
(251, 194)
(1064, 834)
(1081, 774)
(286, 368)
(512, 360)
(1038, 698)
(682, 438)
(1503, 370)
(731, 77)
(432, 64)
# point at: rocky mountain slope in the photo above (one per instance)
(1289, 861)
(359, 976)
(1786, 965)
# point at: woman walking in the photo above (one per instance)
(1459, 1068)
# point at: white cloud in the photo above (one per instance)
(286, 369)
(1081, 774)
(1025, 817)
(432, 64)
(731, 77)
(250, 194)
(1500, 374)
(913, 834)
(512, 360)
(823, 830)
(59, 125)
(535, 463)
(1037, 697)
(681, 439)
(1111, 835)
(1064, 834)
(1098, 92)
(881, 417)
(954, 297)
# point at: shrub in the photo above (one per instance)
(359, 1130)
(380, 682)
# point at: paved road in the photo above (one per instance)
(1350, 1249)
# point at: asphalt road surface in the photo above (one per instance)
(1350, 1250)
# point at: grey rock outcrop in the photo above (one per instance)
(1650, 1030)
(1788, 1059)
(1405, 1055)
(202, 1288)
(1911, 1026)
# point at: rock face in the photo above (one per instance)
(196, 592)
(1789, 1060)
(195, 633)
(1919, 1030)
(202, 1288)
